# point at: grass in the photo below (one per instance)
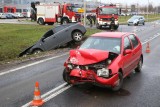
(15, 38)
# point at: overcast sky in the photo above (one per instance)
(141, 2)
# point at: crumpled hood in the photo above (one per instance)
(87, 56)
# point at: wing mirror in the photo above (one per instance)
(127, 51)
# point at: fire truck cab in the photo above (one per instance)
(105, 14)
(55, 12)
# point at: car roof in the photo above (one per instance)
(111, 34)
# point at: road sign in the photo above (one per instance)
(80, 10)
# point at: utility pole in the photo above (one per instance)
(84, 6)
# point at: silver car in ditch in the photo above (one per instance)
(56, 37)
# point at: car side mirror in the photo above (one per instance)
(127, 51)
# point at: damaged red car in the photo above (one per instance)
(104, 59)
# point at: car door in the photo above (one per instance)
(63, 33)
(136, 50)
(49, 40)
(127, 58)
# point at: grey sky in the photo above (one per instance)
(141, 2)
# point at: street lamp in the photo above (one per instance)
(84, 18)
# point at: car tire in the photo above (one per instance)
(143, 23)
(37, 51)
(139, 66)
(77, 36)
(41, 21)
(64, 21)
(119, 85)
(66, 77)
(116, 27)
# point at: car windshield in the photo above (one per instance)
(108, 11)
(103, 43)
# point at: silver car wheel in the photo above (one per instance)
(77, 36)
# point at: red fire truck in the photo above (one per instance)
(105, 14)
(56, 12)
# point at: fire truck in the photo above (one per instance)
(55, 12)
(105, 14)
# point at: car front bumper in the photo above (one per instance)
(83, 76)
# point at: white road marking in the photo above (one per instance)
(155, 36)
(35, 63)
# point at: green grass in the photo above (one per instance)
(15, 38)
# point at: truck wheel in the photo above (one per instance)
(77, 36)
(116, 27)
(41, 21)
(66, 77)
(119, 83)
(64, 21)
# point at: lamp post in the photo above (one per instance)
(84, 18)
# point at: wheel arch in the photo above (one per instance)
(36, 49)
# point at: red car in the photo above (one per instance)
(104, 59)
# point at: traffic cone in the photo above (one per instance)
(37, 100)
(148, 48)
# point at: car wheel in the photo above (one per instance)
(77, 36)
(66, 77)
(119, 83)
(41, 21)
(139, 66)
(143, 23)
(64, 21)
(37, 51)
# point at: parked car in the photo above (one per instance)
(104, 59)
(19, 15)
(2, 16)
(11, 16)
(56, 37)
(136, 20)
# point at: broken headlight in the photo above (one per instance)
(103, 72)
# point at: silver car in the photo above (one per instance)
(56, 37)
(136, 20)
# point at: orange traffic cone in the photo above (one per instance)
(37, 100)
(148, 48)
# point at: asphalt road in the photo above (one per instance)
(140, 90)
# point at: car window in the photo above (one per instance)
(127, 44)
(48, 34)
(133, 40)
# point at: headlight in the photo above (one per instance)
(69, 66)
(103, 72)
(108, 61)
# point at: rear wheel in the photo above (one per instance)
(64, 21)
(41, 21)
(139, 66)
(77, 36)
(66, 77)
(119, 82)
